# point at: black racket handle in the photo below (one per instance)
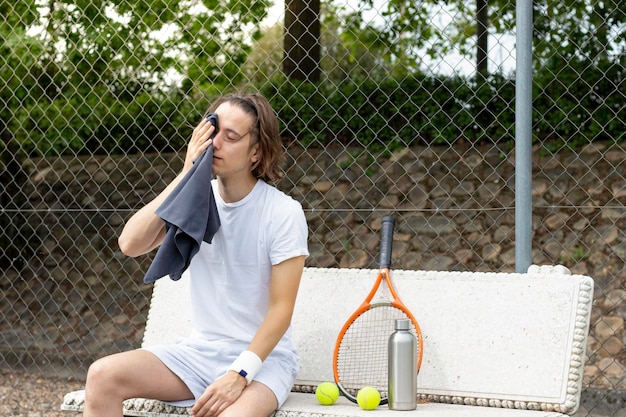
(386, 241)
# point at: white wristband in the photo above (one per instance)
(247, 364)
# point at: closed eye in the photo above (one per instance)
(233, 136)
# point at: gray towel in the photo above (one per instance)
(190, 216)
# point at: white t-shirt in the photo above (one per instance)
(230, 277)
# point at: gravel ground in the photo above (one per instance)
(33, 395)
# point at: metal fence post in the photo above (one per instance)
(523, 136)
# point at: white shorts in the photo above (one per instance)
(199, 363)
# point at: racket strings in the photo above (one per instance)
(383, 294)
(362, 354)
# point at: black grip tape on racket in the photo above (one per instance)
(386, 241)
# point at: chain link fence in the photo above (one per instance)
(387, 107)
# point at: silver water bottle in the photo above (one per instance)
(402, 367)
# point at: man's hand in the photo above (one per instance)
(199, 142)
(219, 395)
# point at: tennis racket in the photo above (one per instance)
(360, 355)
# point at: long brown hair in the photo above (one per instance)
(265, 132)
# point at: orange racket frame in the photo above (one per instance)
(383, 273)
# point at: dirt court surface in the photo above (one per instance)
(32, 395)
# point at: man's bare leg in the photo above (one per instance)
(132, 374)
(257, 400)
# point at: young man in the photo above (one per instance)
(239, 360)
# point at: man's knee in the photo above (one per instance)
(101, 375)
(257, 400)
(97, 370)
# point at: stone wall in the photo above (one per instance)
(75, 297)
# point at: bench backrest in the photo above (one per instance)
(490, 339)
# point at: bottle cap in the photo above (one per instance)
(403, 324)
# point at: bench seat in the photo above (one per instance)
(495, 344)
(305, 405)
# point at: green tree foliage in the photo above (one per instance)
(265, 59)
(107, 72)
(571, 28)
(19, 84)
(392, 112)
(587, 29)
(126, 76)
(353, 48)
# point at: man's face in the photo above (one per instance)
(232, 154)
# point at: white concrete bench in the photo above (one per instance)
(495, 344)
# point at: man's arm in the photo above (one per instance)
(284, 285)
(144, 231)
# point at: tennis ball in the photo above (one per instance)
(327, 393)
(368, 398)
